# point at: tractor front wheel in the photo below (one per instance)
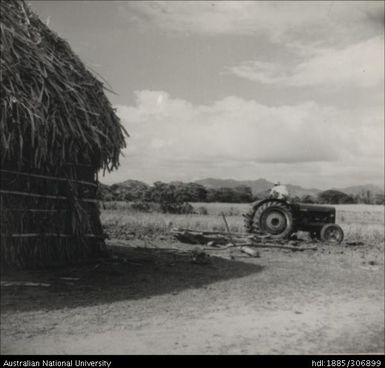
(332, 233)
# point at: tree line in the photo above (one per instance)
(175, 191)
(332, 196)
(179, 192)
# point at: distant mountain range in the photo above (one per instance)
(261, 185)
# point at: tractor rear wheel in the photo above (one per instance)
(272, 217)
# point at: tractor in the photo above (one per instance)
(280, 219)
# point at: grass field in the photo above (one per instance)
(359, 222)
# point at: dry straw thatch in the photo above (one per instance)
(57, 129)
(53, 110)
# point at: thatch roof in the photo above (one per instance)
(53, 110)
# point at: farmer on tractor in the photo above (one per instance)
(279, 191)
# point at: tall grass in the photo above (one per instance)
(139, 224)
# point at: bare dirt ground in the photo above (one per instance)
(156, 302)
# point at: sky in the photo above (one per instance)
(287, 91)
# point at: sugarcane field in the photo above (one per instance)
(192, 178)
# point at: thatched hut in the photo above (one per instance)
(57, 131)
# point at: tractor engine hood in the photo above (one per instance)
(315, 208)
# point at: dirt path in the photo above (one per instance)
(232, 331)
(282, 303)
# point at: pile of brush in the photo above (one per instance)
(244, 241)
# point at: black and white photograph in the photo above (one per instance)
(191, 178)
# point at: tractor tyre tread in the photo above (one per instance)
(251, 218)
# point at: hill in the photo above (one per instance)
(358, 189)
(257, 186)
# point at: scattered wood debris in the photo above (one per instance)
(250, 251)
(354, 243)
(216, 240)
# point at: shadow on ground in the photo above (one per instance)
(132, 273)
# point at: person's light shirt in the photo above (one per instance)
(279, 192)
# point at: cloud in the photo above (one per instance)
(360, 64)
(173, 138)
(278, 19)
(231, 128)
